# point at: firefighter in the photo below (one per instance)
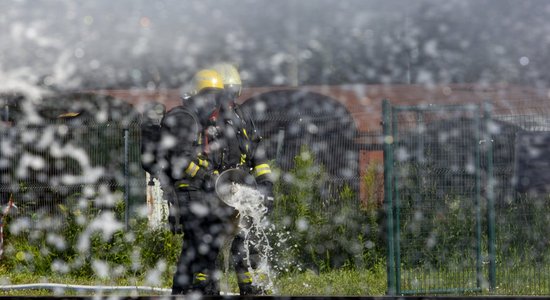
(155, 164)
(150, 133)
(184, 146)
(238, 145)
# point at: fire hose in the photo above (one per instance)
(93, 288)
(79, 287)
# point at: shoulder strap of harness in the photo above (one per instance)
(198, 136)
(246, 119)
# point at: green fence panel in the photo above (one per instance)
(467, 192)
(522, 208)
(433, 185)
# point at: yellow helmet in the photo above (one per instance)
(207, 79)
(230, 76)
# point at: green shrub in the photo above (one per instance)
(75, 247)
(315, 233)
(521, 230)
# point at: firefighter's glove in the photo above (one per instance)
(209, 183)
(267, 192)
(269, 202)
(213, 132)
(175, 211)
(175, 219)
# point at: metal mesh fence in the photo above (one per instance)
(331, 141)
(53, 165)
(56, 163)
(522, 210)
(454, 172)
(436, 181)
(74, 166)
(441, 183)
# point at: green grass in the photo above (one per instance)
(8, 277)
(337, 282)
(334, 283)
(524, 280)
(529, 279)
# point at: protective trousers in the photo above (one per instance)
(204, 230)
(246, 259)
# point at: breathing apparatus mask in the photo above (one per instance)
(207, 102)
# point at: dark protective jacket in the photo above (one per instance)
(150, 137)
(180, 148)
(181, 140)
(235, 143)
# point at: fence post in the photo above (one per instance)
(388, 188)
(126, 178)
(396, 211)
(280, 141)
(477, 198)
(490, 196)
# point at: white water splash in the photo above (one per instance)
(253, 223)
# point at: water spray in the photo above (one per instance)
(237, 188)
